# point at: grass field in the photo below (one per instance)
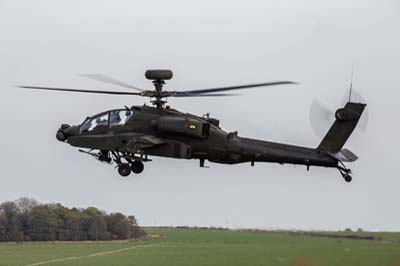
(208, 247)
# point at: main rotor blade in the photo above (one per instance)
(110, 80)
(203, 95)
(236, 87)
(84, 91)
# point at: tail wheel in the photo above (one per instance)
(137, 167)
(345, 172)
(348, 178)
(124, 169)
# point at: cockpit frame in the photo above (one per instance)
(105, 120)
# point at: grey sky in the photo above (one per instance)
(205, 43)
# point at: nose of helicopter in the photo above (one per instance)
(66, 131)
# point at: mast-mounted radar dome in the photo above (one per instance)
(159, 74)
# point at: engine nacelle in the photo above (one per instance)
(183, 125)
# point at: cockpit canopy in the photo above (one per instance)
(109, 119)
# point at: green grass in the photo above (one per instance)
(207, 247)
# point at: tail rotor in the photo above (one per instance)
(321, 116)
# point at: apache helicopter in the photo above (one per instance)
(129, 136)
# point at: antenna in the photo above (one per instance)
(351, 82)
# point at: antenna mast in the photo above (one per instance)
(351, 82)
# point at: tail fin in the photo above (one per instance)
(346, 121)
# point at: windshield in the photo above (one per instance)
(116, 118)
(99, 121)
(119, 117)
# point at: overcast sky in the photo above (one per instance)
(207, 44)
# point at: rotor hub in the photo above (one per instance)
(158, 77)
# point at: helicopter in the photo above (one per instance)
(129, 136)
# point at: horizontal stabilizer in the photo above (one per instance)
(344, 155)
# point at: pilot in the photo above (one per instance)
(101, 122)
(115, 118)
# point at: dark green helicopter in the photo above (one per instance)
(128, 136)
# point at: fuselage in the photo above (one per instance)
(170, 133)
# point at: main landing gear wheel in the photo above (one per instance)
(137, 167)
(124, 169)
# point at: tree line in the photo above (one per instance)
(27, 220)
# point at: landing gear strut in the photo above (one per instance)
(133, 163)
(345, 172)
(127, 162)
